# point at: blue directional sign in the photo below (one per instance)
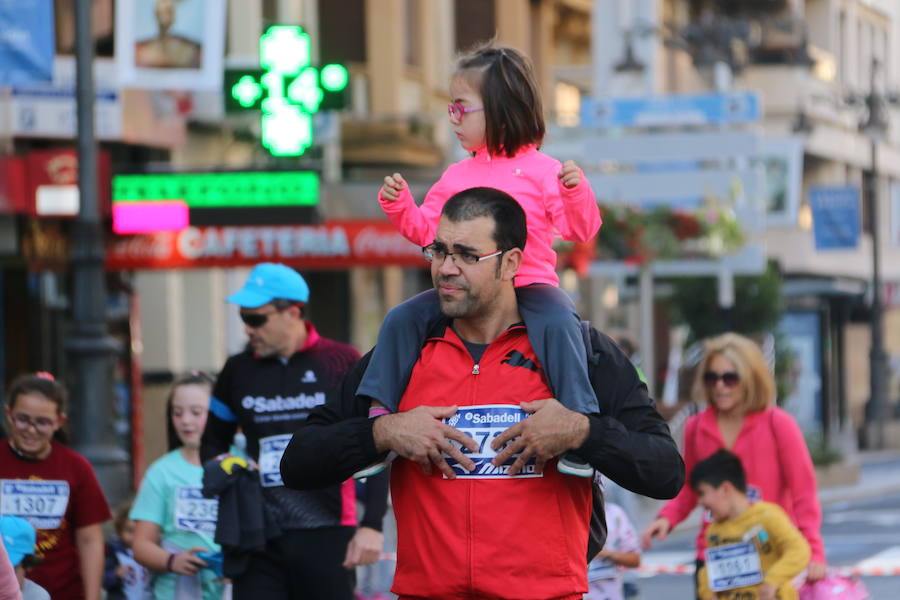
(835, 217)
(671, 110)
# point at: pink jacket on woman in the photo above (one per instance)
(531, 178)
(778, 466)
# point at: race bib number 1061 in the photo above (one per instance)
(484, 423)
(733, 566)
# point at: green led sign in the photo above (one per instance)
(221, 190)
(287, 89)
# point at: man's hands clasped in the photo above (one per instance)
(551, 430)
(422, 436)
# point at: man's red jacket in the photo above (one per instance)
(495, 537)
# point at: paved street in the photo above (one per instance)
(861, 533)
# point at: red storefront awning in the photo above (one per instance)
(332, 245)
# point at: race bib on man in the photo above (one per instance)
(41, 503)
(733, 566)
(484, 423)
(195, 513)
(271, 449)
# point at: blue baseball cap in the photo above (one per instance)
(18, 538)
(268, 281)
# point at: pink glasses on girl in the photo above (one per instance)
(457, 111)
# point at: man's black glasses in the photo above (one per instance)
(729, 378)
(436, 252)
(256, 320)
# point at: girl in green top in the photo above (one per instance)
(173, 520)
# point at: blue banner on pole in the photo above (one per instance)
(835, 217)
(27, 41)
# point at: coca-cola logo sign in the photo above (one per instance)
(376, 242)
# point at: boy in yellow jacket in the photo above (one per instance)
(752, 549)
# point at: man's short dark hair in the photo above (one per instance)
(285, 303)
(718, 468)
(510, 229)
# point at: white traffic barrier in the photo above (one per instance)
(688, 569)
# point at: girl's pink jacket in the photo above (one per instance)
(530, 177)
(778, 466)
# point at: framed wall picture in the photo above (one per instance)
(170, 44)
(781, 160)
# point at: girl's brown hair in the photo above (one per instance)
(193, 378)
(513, 112)
(45, 385)
(755, 376)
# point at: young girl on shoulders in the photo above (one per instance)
(497, 116)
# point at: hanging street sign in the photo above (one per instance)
(671, 110)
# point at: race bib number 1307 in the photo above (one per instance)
(484, 423)
(41, 503)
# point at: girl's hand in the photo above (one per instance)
(186, 563)
(569, 175)
(393, 185)
(658, 529)
(816, 571)
(767, 591)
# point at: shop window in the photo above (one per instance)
(102, 20)
(475, 22)
(413, 39)
(342, 33)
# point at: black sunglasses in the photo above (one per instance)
(257, 320)
(729, 378)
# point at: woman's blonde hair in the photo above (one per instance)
(755, 377)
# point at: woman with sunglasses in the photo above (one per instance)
(735, 382)
(53, 488)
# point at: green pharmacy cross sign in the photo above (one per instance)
(287, 89)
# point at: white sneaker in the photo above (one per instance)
(375, 468)
(570, 464)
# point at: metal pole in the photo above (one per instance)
(89, 345)
(877, 356)
(648, 335)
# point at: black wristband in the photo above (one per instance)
(169, 562)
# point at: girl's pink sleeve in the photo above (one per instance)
(9, 584)
(800, 477)
(417, 223)
(678, 508)
(574, 212)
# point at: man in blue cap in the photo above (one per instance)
(268, 390)
(19, 539)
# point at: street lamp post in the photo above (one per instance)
(874, 127)
(90, 346)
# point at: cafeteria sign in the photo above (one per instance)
(330, 245)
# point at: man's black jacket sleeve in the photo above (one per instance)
(335, 441)
(628, 441)
(375, 502)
